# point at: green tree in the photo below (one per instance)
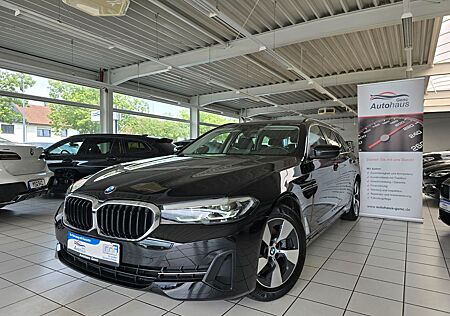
(12, 82)
(216, 119)
(64, 116)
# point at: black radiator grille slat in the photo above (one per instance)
(78, 213)
(124, 221)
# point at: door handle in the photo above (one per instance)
(335, 166)
(112, 159)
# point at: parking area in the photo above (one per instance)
(367, 267)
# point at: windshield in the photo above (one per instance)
(2, 140)
(247, 139)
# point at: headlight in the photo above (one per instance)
(440, 173)
(207, 211)
(428, 159)
(78, 184)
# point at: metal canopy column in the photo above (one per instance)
(194, 118)
(106, 107)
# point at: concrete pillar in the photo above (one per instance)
(106, 108)
(195, 119)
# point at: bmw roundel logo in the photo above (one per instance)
(110, 189)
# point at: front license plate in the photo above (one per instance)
(94, 249)
(444, 204)
(34, 184)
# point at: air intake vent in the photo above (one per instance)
(124, 221)
(78, 213)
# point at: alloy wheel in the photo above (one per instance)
(356, 199)
(279, 253)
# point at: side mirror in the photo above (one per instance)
(325, 151)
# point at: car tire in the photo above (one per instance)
(353, 213)
(282, 255)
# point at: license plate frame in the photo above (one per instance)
(36, 184)
(94, 249)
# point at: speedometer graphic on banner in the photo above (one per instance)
(400, 133)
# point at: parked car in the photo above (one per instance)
(23, 174)
(444, 204)
(82, 155)
(179, 145)
(435, 156)
(229, 215)
(434, 176)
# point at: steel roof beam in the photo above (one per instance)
(327, 81)
(324, 27)
(297, 107)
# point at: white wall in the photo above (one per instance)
(32, 137)
(436, 131)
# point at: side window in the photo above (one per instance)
(343, 144)
(315, 137)
(97, 147)
(69, 148)
(135, 146)
(331, 136)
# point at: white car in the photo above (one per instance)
(23, 174)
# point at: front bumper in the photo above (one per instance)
(209, 269)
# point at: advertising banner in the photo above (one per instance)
(390, 116)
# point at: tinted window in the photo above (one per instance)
(97, 147)
(69, 148)
(331, 136)
(315, 137)
(252, 139)
(135, 146)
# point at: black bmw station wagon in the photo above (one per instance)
(229, 215)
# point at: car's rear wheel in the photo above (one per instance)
(282, 255)
(353, 213)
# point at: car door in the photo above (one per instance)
(323, 175)
(97, 153)
(63, 154)
(135, 149)
(349, 169)
(340, 167)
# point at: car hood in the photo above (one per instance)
(174, 178)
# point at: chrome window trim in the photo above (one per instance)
(96, 204)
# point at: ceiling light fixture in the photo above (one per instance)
(100, 7)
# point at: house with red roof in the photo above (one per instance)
(38, 126)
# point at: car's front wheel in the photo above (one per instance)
(282, 255)
(353, 213)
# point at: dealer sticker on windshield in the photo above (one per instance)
(445, 204)
(94, 249)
